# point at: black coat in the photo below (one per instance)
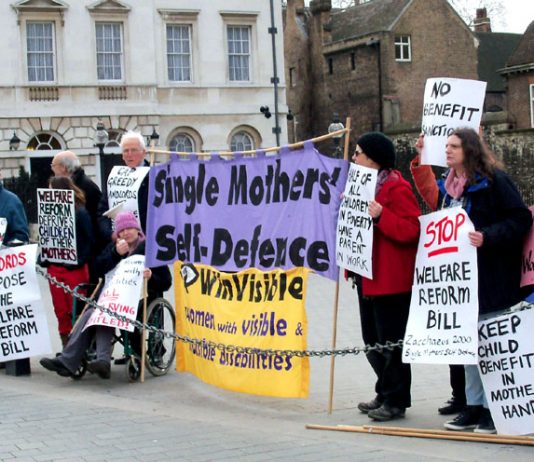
(105, 229)
(497, 210)
(92, 193)
(160, 281)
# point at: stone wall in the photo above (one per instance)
(514, 148)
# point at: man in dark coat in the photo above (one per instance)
(66, 163)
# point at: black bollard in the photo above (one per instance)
(18, 367)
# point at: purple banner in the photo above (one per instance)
(265, 212)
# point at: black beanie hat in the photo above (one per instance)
(379, 148)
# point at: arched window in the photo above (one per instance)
(241, 141)
(114, 138)
(182, 142)
(45, 142)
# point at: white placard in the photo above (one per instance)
(442, 325)
(120, 294)
(123, 187)
(354, 236)
(23, 324)
(506, 365)
(57, 225)
(449, 104)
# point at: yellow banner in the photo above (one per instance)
(248, 309)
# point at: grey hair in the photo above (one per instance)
(130, 134)
(71, 164)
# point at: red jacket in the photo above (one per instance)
(395, 239)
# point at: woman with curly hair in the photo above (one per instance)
(475, 181)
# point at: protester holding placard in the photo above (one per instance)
(12, 210)
(16, 230)
(70, 274)
(385, 303)
(476, 182)
(130, 241)
(129, 188)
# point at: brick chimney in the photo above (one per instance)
(482, 23)
(296, 5)
(321, 13)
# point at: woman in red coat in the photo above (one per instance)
(385, 301)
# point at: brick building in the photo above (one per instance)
(371, 61)
(519, 72)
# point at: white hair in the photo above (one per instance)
(130, 134)
(70, 163)
(69, 160)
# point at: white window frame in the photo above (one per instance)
(403, 44)
(235, 73)
(192, 135)
(188, 55)
(242, 134)
(531, 86)
(187, 137)
(180, 17)
(113, 52)
(41, 12)
(242, 19)
(51, 52)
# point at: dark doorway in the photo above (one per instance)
(107, 162)
(40, 173)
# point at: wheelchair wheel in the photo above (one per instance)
(80, 372)
(133, 369)
(160, 349)
(90, 355)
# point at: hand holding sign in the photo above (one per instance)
(375, 209)
(476, 238)
(448, 104)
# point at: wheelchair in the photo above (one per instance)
(160, 349)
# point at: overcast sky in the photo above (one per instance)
(520, 13)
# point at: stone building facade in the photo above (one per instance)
(197, 72)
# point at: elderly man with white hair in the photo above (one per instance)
(126, 186)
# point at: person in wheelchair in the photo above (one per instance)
(130, 241)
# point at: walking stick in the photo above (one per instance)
(93, 293)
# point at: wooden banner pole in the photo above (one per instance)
(424, 433)
(91, 297)
(431, 431)
(297, 145)
(336, 295)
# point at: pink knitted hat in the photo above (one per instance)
(125, 220)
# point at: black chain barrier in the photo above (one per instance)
(236, 348)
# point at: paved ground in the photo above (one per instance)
(44, 417)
